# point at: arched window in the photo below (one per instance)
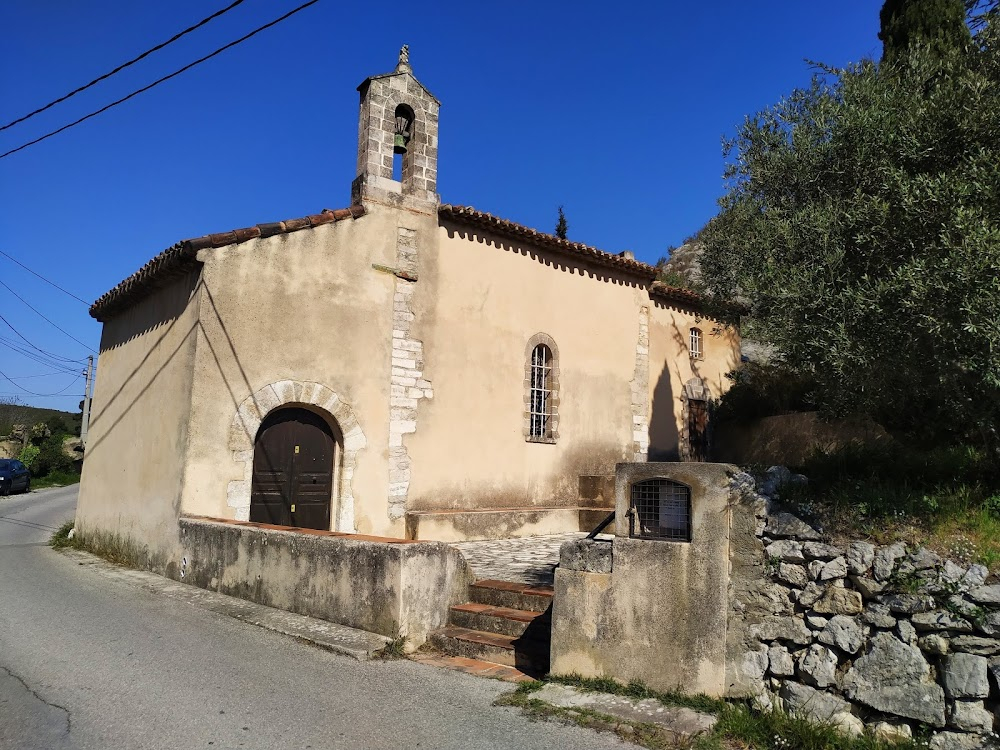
(694, 345)
(542, 390)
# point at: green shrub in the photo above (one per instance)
(51, 458)
(28, 455)
(763, 390)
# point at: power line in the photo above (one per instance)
(39, 375)
(67, 395)
(46, 353)
(52, 283)
(43, 360)
(32, 393)
(161, 80)
(122, 67)
(85, 346)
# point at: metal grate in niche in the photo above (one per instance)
(661, 509)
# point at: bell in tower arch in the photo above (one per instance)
(404, 128)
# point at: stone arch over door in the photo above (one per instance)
(318, 397)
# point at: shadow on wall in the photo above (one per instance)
(664, 430)
(147, 317)
(663, 435)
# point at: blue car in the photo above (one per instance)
(14, 476)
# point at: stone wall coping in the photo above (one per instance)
(346, 536)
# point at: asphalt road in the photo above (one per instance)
(87, 661)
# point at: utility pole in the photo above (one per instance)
(85, 422)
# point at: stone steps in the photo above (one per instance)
(529, 656)
(501, 620)
(506, 623)
(512, 595)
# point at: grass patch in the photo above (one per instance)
(947, 499)
(739, 727)
(640, 691)
(112, 547)
(744, 727)
(60, 538)
(55, 479)
(645, 735)
(394, 649)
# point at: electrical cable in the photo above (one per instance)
(47, 354)
(52, 283)
(38, 359)
(39, 375)
(32, 393)
(122, 67)
(160, 80)
(85, 346)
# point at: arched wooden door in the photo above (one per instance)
(293, 462)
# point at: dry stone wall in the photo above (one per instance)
(894, 639)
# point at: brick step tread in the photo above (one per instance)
(514, 587)
(511, 595)
(496, 640)
(507, 613)
(476, 667)
(527, 655)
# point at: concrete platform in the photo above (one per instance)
(500, 523)
(531, 560)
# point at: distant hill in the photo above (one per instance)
(683, 267)
(11, 414)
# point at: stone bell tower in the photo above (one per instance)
(397, 140)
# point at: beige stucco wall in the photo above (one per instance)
(305, 307)
(316, 317)
(480, 299)
(670, 367)
(138, 430)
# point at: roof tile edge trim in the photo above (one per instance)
(183, 256)
(469, 215)
(657, 289)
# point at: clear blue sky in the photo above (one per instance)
(614, 110)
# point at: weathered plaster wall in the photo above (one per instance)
(671, 368)
(380, 585)
(306, 307)
(480, 299)
(139, 420)
(654, 611)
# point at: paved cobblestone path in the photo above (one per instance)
(531, 559)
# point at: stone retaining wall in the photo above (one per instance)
(891, 638)
(393, 587)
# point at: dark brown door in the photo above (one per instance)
(698, 429)
(293, 470)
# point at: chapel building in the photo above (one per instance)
(401, 367)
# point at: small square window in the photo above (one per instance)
(661, 509)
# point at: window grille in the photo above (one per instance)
(695, 344)
(541, 393)
(661, 509)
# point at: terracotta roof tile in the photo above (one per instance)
(577, 250)
(674, 293)
(182, 257)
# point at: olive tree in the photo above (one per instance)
(860, 229)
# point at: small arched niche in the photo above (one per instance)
(402, 161)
